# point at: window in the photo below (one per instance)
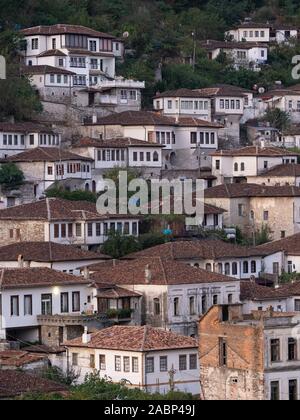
(102, 362)
(218, 165)
(223, 352)
(208, 267)
(31, 140)
(150, 365)
(64, 303)
(35, 44)
(297, 305)
(234, 269)
(126, 363)
(242, 167)
(93, 46)
(194, 138)
(118, 363)
(28, 305)
(204, 304)
(98, 229)
(75, 359)
(90, 230)
(236, 167)
(227, 269)
(46, 302)
(293, 390)
(135, 365)
(54, 44)
(169, 104)
(192, 305)
(275, 391)
(241, 210)
(182, 363)
(14, 306)
(245, 267)
(253, 267)
(193, 361)
(176, 307)
(76, 302)
(156, 307)
(275, 350)
(50, 170)
(215, 300)
(163, 363)
(135, 156)
(78, 230)
(283, 234)
(292, 349)
(266, 215)
(155, 157)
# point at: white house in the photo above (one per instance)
(146, 358)
(64, 222)
(184, 139)
(279, 175)
(249, 55)
(45, 166)
(174, 293)
(250, 32)
(66, 258)
(18, 137)
(237, 165)
(89, 57)
(284, 33)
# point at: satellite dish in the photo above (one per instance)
(126, 34)
(261, 90)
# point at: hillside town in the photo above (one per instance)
(150, 301)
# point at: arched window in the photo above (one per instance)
(196, 265)
(87, 187)
(155, 157)
(176, 307)
(192, 305)
(208, 267)
(234, 269)
(94, 187)
(253, 267)
(245, 267)
(157, 310)
(242, 167)
(236, 167)
(227, 269)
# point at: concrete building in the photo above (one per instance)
(174, 294)
(142, 357)
(184, 139)
(18, 137)
(63, 222)
(249, 357)
(252, 206)
(237, 165)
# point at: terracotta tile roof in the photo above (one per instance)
(57, 209)
(117, 143)
(14, 383)
(290, 170)
(162, 271)
(289, 245)
(254, 25)
(62, 29)
(18, 359)
(14, 278)
(212, 45)
(114, 292)
(256, 151)
(47, 154)
(136, 118)
(52, 53)
(31, 70)
(47, 252)
(210, 209)
(181, 93)
(252, 291)
(77, 51)
(24, 127)
(290, 91)
(251, 190)
(202, 249)
(139, 339)
(218, 90)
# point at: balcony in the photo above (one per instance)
(123, 83)
(71, 320)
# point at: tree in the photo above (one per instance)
(117, 245)
(278, 119)
(11, 176)
(78, 195)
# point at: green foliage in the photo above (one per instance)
(78, 195)
(150, 240)
(11, 176)
(57, 375)
(263, 236)
(117, 245)
(278, 119)
(289, 278)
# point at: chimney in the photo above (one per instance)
(20, 261)
(86, 337)
(86, 273)
(148, 275)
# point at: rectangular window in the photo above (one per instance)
(102, 362)
(275, 350)
(76, 302)
(46, 303)
(163, 361)
(74, 359)
(193, 361)
(135, 156)
(118, 362)
(35, 44)
(28, 305)
(90, 230)
(297, 305)
(182, 363)
(78, 230)
(126, 363)
(293, 390)
(98, 229)
(150, 365)
(92, 361)
(194, 138)
(223, 352)
(64, 303)
(135, 365)
(63, 230)
(14, 306)
(275, 393)
(292, 349)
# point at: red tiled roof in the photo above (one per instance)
(47, 252)
(256, 151)
(62, 29)
(290, 170)
(52, 53)
(212, 45)
(18, 359)
(14, 383)
(13, 278)
(289, 245)
(47, 154)
(114, 292)
(162, 271)
(122, 142)
(218, 90)
(139, 339)
(31, 70)
(24, 127)
(252, 291)
(251, 190)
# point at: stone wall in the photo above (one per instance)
(29, 231)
